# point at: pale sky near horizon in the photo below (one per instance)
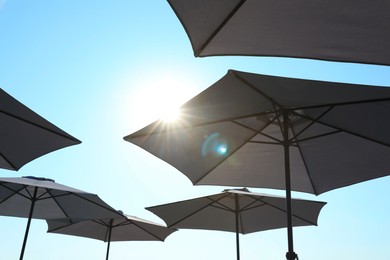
(101, 70)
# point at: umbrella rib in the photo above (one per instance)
(308, 107)
(303, 158)
(47, 191)
(249, 206)
(42, 127)
(58, 204)
(223, 160)
(295, 138)
(97, 204)
(259, 131)
(348, 132)
(283, 210)
(99, 222)
(312, 121)
(125, 222)
(221, 206)
(219, 28)
(79, 196)
(147, 231)
(238, 148)
(152, 132)
(69, 223)
(8, 161)
(316, 136)
(243, 143)
(67, 193)
(15, 191)
(198, 210)
(346, 103)
(250, 85)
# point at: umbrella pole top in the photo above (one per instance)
(38, 178)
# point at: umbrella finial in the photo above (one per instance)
(242, 189)
(38, 178)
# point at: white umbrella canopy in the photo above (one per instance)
(25, 136)
(40, 198)
(239, 211)
(125, 228)
(253, 130)
(350, 31)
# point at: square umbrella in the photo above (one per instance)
(253, 130)
(25, 135)
(239, 211)
(126, 228)
(41, 198)
(351, 31)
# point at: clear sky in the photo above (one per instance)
(101, 70)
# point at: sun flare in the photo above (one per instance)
(160, 97)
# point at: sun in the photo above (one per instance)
(160, 97)
(170, 114)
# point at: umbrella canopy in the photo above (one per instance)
(274, 132)
(25, 135)
(238, 211)
(233, 133)
(41, 198)
(126, 228)
(352, 31)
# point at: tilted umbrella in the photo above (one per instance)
(41, 198)
(126, 228)
(254, 130)
(351, 31)
(25, 136)
(239, 211)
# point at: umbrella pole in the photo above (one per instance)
(109, 239)
(28, 222)
(237, 228)
(290, 255)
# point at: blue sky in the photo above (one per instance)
(101, 70)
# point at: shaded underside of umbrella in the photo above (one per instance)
(238, 211)
(51, 200)
(255, 211)
(41, 198)
(350, 31)
(237, 133)
(25, 135)
(261, 131)
(126, 228)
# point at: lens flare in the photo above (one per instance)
(215, 145)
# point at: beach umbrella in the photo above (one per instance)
(239, 211)
(351, 31)
(25, 135)
(126, 228)
(40, 198)
(253, 130)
